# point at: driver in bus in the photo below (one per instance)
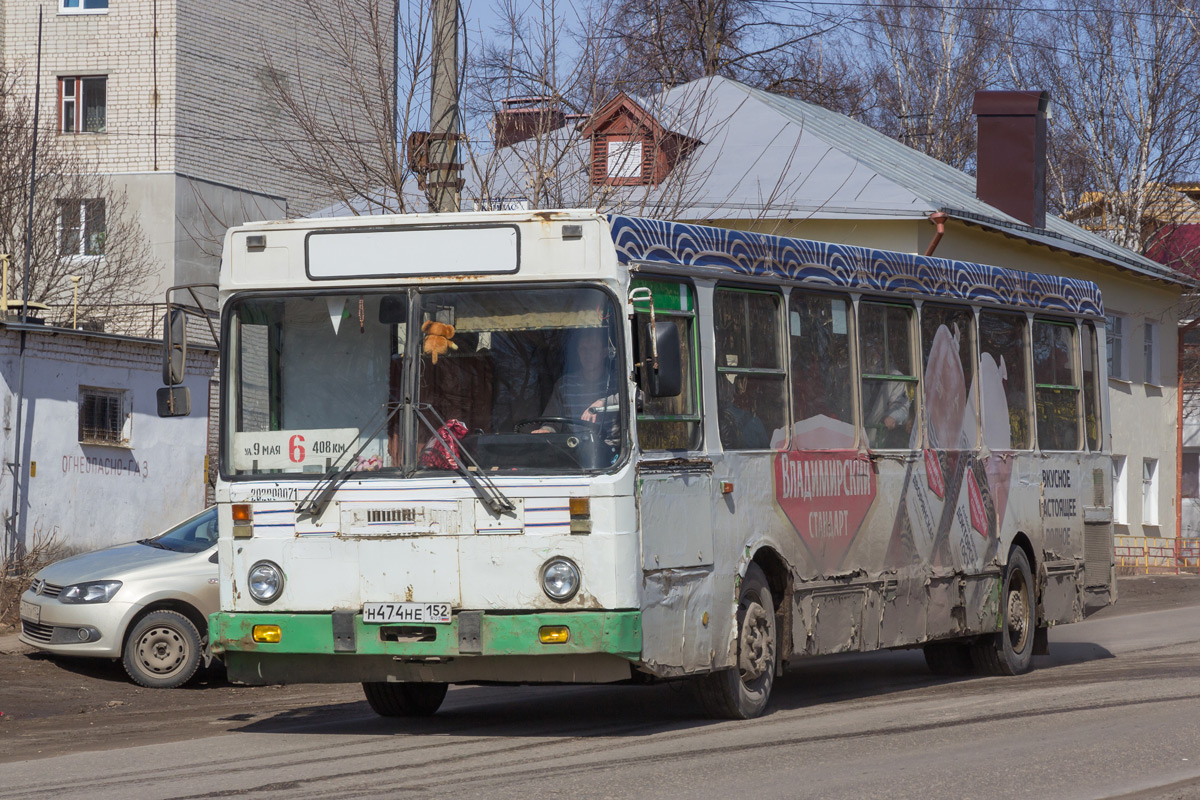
(583, 392)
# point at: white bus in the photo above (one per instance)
(559, 446)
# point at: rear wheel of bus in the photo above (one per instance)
(1010, 652)
(405, 699)
(743, 692)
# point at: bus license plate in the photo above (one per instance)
(428, 613)
(31, 611)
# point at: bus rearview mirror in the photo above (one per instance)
(174, 346)
(667, 379)
(174, 401)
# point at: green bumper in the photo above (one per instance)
(501, 634)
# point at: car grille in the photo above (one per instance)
(39, 633)
(45, 589)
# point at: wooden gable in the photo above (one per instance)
(630, 147)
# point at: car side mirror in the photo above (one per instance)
(212, 559)
(661, 359)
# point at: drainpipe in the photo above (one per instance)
(938, 218)
(1183, 330)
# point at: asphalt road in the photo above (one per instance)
(1114, 711)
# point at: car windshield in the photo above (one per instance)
(518, 380)
(193, 536)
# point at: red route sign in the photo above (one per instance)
(825, 495)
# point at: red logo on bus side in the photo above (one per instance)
(978, 512)
(933, 474)
(826, 496)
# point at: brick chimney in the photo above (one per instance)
(1010, 172)
(521, 118)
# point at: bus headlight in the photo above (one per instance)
(265, 581)
(560, 579)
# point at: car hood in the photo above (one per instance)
(113, 563)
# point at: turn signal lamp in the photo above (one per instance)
(554, 634)
(267, 633)
(581, 514)
(243, 521)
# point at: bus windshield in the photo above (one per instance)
(500, 381)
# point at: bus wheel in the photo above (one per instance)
(1010, 652)
(948, 659)
(405, 699)
(743, 692)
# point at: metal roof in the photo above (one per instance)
(764, 157)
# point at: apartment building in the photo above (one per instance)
(172, 99)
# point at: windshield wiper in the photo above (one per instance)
(488, 493)
(152, 543)
(312, 503)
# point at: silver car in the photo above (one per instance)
(146, 603)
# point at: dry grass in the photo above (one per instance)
(17, 573)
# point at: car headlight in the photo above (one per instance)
(560, 579)
(90, 592)
(265, 581)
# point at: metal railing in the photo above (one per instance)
(1153, 555)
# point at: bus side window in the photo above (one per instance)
(672, 423)
(1056, 385)
(889, 378)
(947, 333)
(1003, 390)
(1091, 397)
(822, 380)
(751, 404)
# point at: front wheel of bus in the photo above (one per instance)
(405, 699)
(1010, 652)
(743, 692)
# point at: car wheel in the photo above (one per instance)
(162, 651)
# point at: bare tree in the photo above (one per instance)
(350, 142)
(82, 226)
(1123, 77)
(927, 59)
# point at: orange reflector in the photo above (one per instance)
(554, 634)
(581, 506)
(267, 633)
(242, 513)
(726, 487)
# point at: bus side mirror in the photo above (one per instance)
(174, 401)
(667, 380)
(174, 346)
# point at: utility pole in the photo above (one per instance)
(444, 182)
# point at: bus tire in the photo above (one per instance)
(949, 659)
(1010, 652)
(743, 691)
(404, 699)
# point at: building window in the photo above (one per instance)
(82, 6)
(105, 416)
(82, 105)
(1149, 491)
(1150, 345)
(82, 228)
(1190, 479)
(1120, 491)
(625, 158)
(1116, 346)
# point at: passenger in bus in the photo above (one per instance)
(740, 428)
(585, 389)
(886, 403)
